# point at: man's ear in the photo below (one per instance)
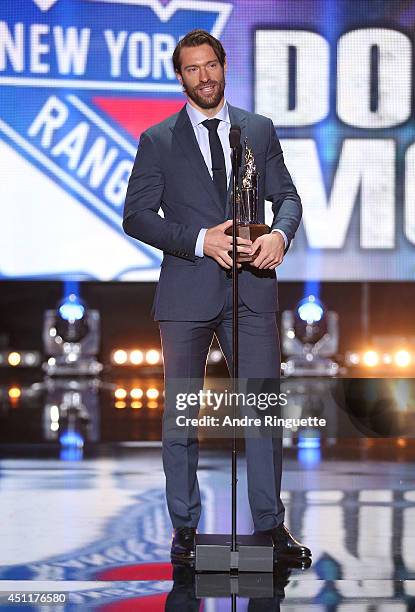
(179, 77)
(225, 66)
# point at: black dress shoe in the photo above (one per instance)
(285, 545)
(289, 563)
(183, 544)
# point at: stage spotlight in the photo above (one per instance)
(14, 358)
(371, 358)
(136, 393)
(152, 393)
(71, 309)
(54, 413)
(136, 357)
(119, 357)
(310, 310)
(310, 339)
(72, 439)
(309, 441)
(71, 320)
(402, 358)
(20, 359)
(71, 336)
(14, 393)
(153, 356)
(120, 393)
(310, 324)
(31, 359)
(143, 357)
(215, 356)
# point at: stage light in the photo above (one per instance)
(308, 442)
(135, 404)
(120, 405)
(136, 357)
(120, 393)
(71, 320)
(14, 393)
(152, 393)
(30, 359)
(54, 413)
(72, 439)
(402, 358)
(310, 339)
(152, 404)
(120, 357)
(22, 359)
(14, 358)
(371, 358)
(309, 456)
(153, 356)
(136, 393)
(215, 356)
(54, 426)
(71, 309)
(354, 358)
(71, 338)
(310, 310)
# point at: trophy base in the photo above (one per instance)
(251, 231)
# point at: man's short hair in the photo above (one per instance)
(195, 38)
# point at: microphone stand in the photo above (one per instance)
(236, 160)
(216, 552)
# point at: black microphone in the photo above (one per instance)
(235, 142)
(235, 136)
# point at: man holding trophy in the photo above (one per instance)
(183, 166)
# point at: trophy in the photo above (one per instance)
(247, 206)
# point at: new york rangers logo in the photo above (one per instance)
(80, 80)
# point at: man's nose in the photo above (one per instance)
(203, 75)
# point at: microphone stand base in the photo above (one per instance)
(255, 553)
(252, 586)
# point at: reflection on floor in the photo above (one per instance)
(98, 530)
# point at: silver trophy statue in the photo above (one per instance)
(247, 205)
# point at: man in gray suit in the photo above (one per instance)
(183, 166)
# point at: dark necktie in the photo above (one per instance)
(218, 159)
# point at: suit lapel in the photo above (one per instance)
(183, 132)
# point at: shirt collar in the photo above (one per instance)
(196, 117)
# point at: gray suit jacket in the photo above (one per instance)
(170, 172)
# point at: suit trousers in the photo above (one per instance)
(185, 346)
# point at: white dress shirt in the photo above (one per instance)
(202, 137)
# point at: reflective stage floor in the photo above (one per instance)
(97, 529)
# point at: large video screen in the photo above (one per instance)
(82, 79)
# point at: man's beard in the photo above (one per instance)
(206, 101)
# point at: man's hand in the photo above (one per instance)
(272, 251)
(217, 245)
